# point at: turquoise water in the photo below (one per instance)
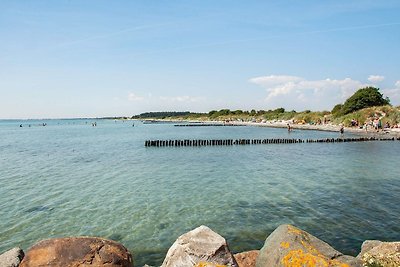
(70, 178)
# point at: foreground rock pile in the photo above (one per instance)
(287, 246)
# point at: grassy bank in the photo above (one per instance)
(387, 114)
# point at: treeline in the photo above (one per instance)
(267, 114)
(165, 114)
(213, 114)
(305, 116)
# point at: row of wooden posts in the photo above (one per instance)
(207, 125)
(230, 142)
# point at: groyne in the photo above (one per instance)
(207, 125)
(234, 142)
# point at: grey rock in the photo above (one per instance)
(378, 253)
(367, 245)
(199, 247)
(11, 258)
(290, 246)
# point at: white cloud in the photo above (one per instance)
(180, 98)
(134, 97)
(393, 94)
(274, 80)
(300, 93)
(375, 78)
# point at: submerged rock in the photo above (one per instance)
(247, 259)
(11, 258)
(289, 246)
(377, 253)
(77, 252)
(200, 247)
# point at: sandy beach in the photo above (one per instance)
(315, 127)
(284, 124)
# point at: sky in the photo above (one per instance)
(94, 58)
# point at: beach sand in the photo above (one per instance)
(321, 127)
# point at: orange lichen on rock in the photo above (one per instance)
(310, 248)
(298, 258)
(294, 230)
(208, 264)
(285, 244)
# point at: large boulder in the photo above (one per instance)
(11, 258)
(289, 246)
(77, 252)
(378, 253)
(247, 259)
(200, 247)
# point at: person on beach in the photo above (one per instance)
(387, 125)
(288, 127)
(341, 129)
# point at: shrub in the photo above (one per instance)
(337, 110)
(363, 98)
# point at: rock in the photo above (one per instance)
(289, 246)
(11, 258)
(247, 259)
(378, 253)
(77, 252)
(367, 245)
(200, 247)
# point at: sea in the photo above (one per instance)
(69, 178)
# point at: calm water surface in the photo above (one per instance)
(69, 179)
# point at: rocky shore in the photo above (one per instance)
(287, 246)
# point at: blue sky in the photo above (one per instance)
(120, 58)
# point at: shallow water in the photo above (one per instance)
(70, 178)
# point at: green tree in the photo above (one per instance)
(212, 112)
(363, 98)
(223, 112)
(279, 110)
(337, 110)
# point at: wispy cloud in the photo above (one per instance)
(298, 92)
(112, 34)
(375, 78)
(184, 98)
(134, 97)
(269, 37)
